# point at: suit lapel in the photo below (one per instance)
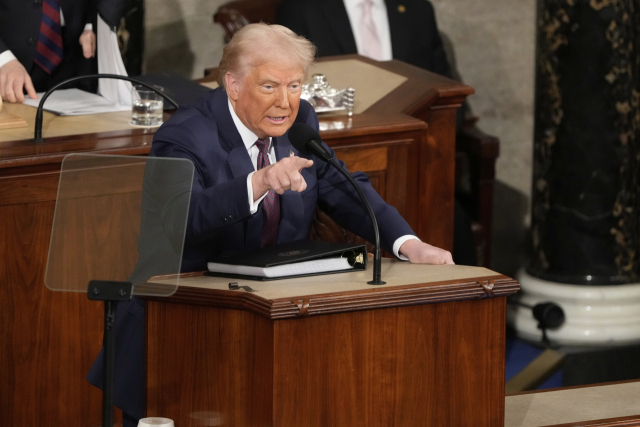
(336, 16)
(230, 140)
(239, 163)
(291, 206)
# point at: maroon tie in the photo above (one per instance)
(49, 51)
(271, 202)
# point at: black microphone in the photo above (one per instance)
(307, 141)
(548, 314)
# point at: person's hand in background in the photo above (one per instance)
(88, 43)
(14, 79)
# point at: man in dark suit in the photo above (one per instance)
(401, 29)
(334, 27)
(251, 187)
(43, 42)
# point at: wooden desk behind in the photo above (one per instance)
(404, 141)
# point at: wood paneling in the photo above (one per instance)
(437, 178)
(415, 366)
(32, 188)
(206, 363)
(367, 159)
(49, 339)
(405, 366)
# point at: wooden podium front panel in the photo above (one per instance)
(49, 339)
(426, 365)
(208, 363)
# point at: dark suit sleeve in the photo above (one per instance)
(3, 46)
(111, 10)
(91, 15)
(338, 198)
(212, 207)
(340, 201)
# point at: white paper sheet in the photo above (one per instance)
(75, 102)
(110, 62)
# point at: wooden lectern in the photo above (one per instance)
(427, 349)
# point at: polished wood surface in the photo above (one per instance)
(55, 125)
(52, 338)
(406, 284)
(48, 338)
(10, 121)
(410, 364)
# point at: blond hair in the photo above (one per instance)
(256, 44)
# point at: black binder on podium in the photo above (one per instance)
(293, 259)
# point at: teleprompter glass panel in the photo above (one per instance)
(119, 218)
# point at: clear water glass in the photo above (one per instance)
(146, 108)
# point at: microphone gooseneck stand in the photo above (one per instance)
(377, 259)
(305, 139)
(37, 136)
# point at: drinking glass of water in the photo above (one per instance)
(146, 109)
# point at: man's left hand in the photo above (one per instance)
(422, 253)
(88, 43)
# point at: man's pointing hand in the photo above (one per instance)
(281, 176)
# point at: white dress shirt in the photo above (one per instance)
(249, 139)
(380, 19)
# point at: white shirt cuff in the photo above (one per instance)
(399, 241)
(6, 56)
(88, 27)
(253, 206)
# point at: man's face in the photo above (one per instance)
(268, 97)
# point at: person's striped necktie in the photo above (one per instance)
(271, 202)
(49, 49)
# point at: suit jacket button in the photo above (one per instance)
(37, 3)
(31, 41)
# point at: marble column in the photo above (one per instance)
(585, 224)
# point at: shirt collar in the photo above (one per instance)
(248, 138)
